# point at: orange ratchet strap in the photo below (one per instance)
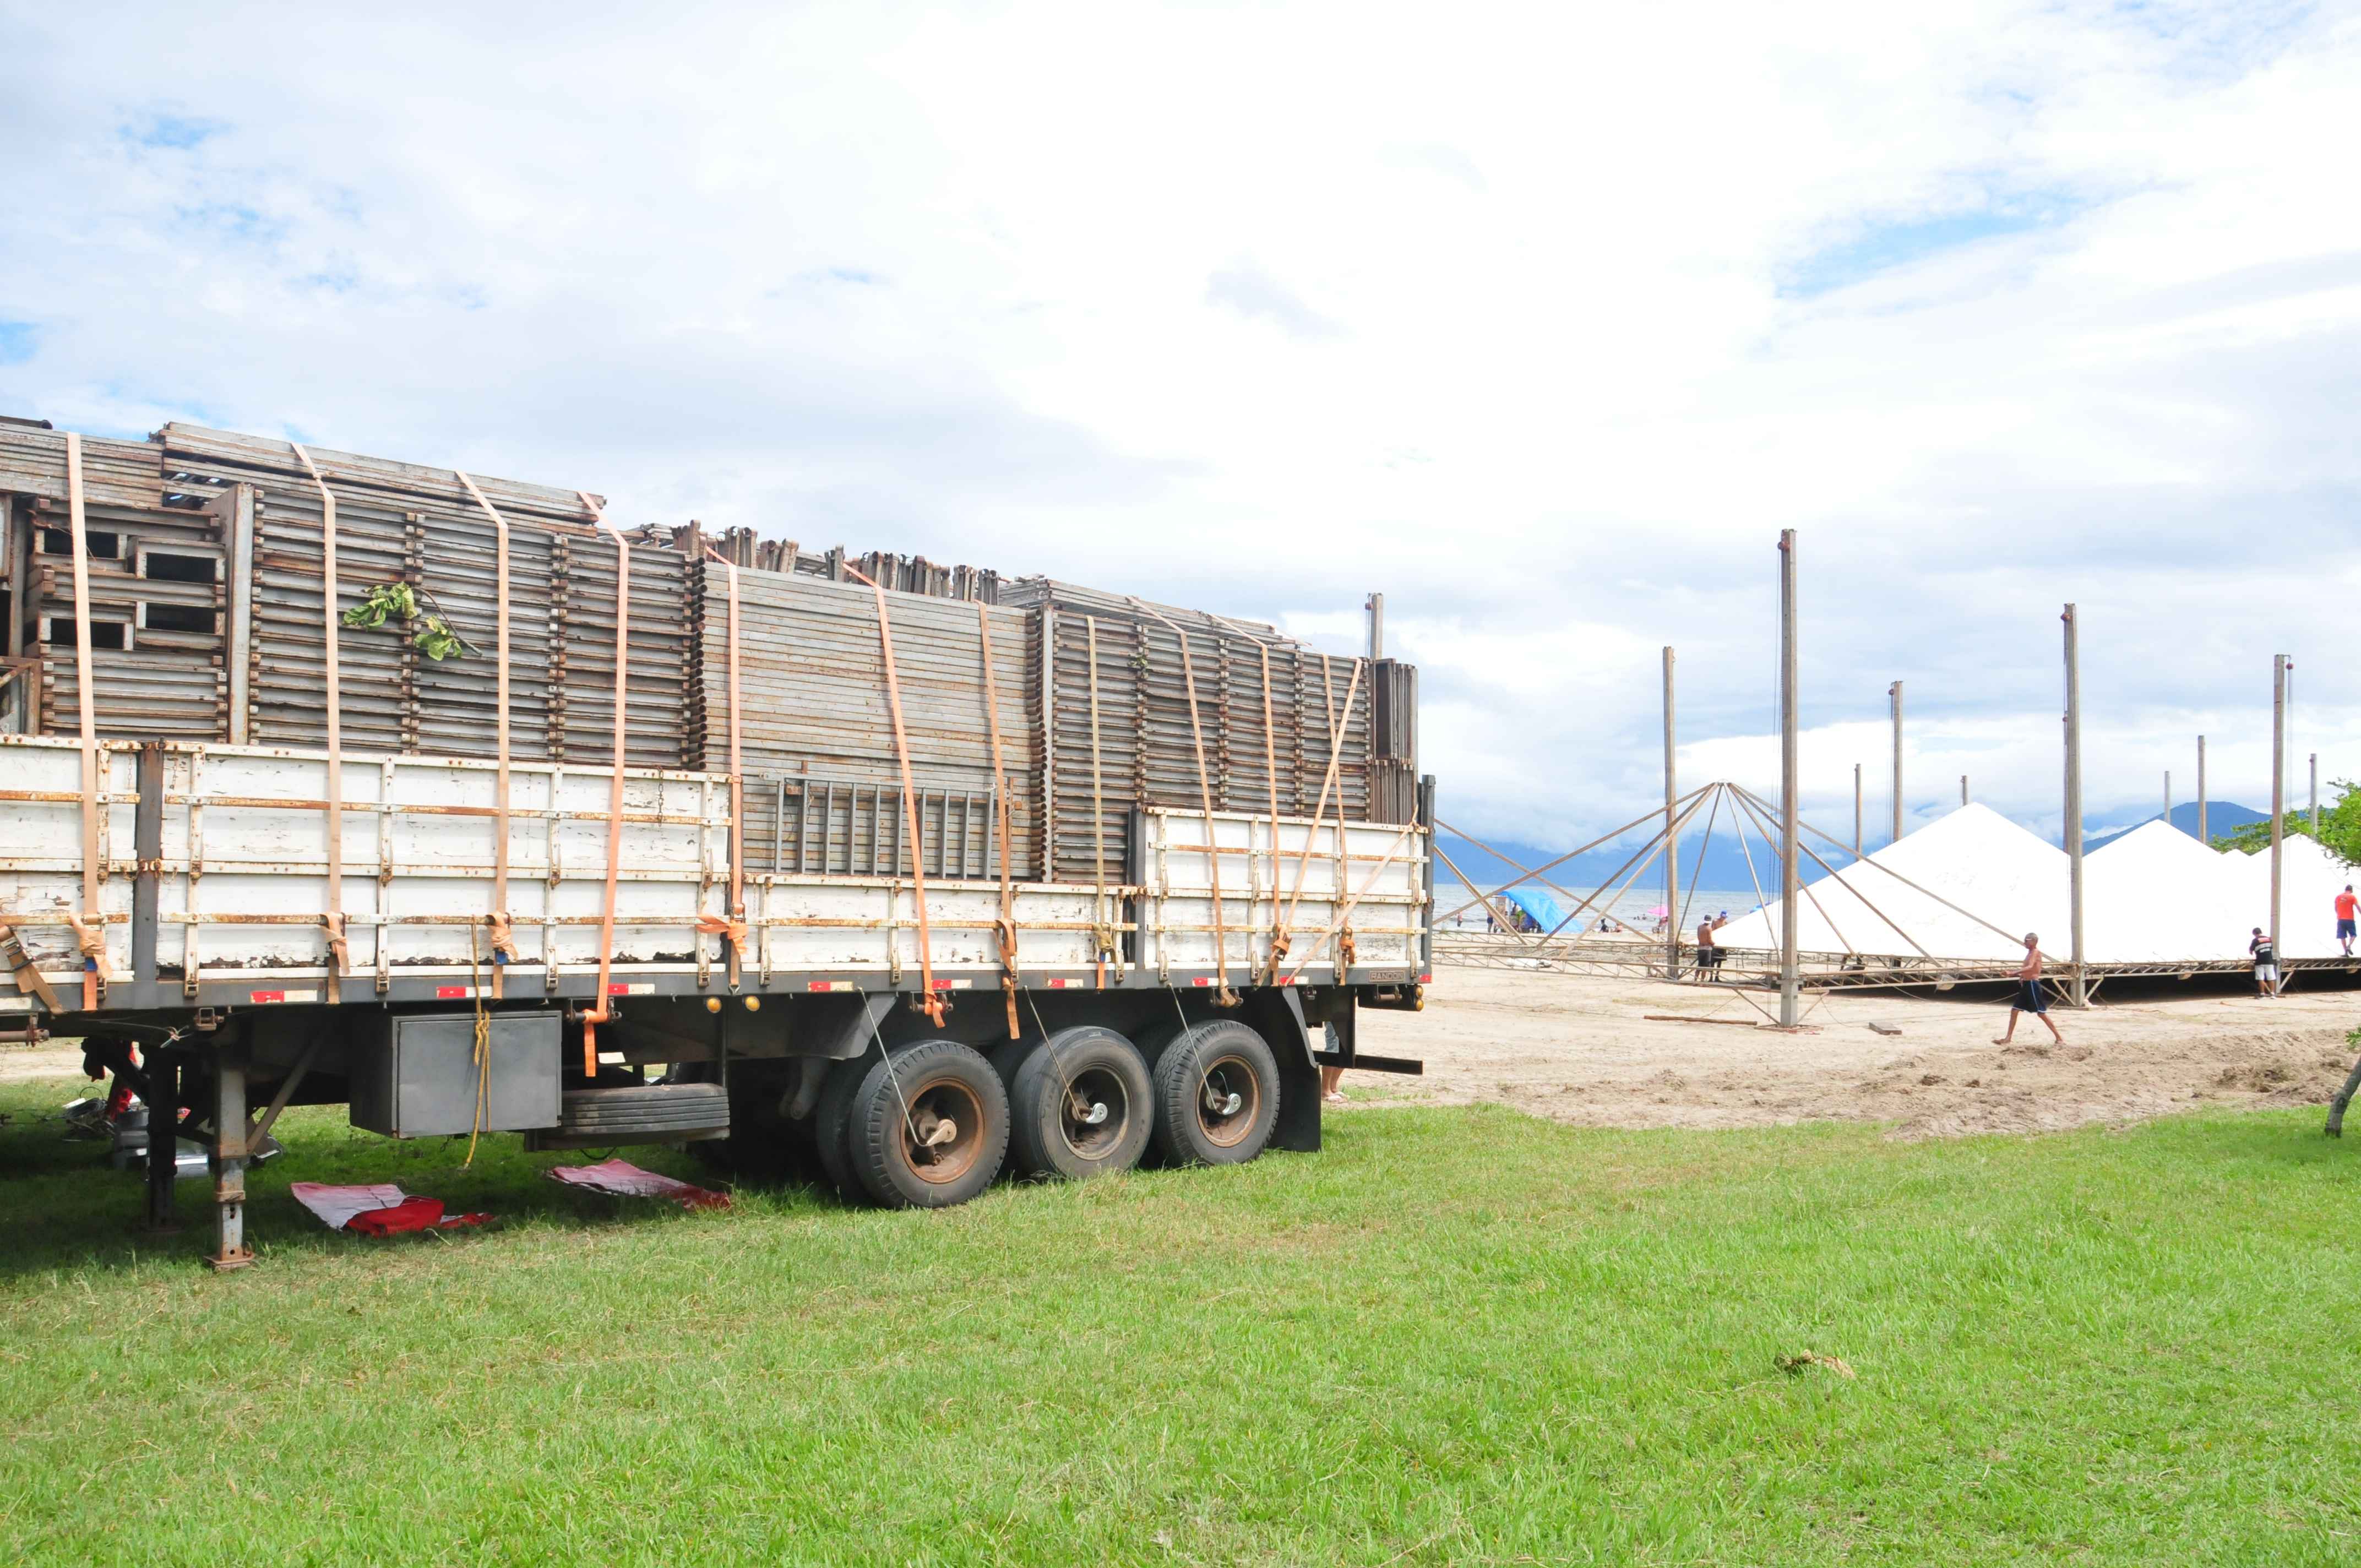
(85, 697)
(1006, 928)
(499, 716)
(601, 1012)
(333, 921)
(931, 1004)
(735, 928)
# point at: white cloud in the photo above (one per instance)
(1265, 306)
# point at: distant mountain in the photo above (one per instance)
(1726, 868)
(2221, 816)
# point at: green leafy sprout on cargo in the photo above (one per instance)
(431, 631)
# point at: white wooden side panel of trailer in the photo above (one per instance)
(247, 877)
(42, 856)
(1380, 868)
(869, 926)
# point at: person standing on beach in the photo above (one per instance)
(2029, 998)
(2267, 964)
(2347, 907)
(1705, 954)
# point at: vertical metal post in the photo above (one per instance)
(1895, 692)
(229, 1155)
(1963, 789)
(1789, 883)
(1377, 627)
(2280, 662)
(163, 1070)
(2077, 993)
(1672, 840)
(2201, 794)
(1856, 811)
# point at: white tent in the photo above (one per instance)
(2154, 895)
(1974, 858)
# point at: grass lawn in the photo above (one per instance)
(1455, 1336)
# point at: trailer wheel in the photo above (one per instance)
(1216, 1095)
(1079, 1105)
(831, 1121)
(930, 1126)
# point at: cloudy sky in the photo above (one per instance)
(1543, 320)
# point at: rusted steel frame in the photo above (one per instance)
(402, 808)
(928, 1002)
(1889, 871)
(1224, 997)
(294, 1080)
(1872, 908)
(1770, 843)
(1535, 874)
(1490, 908)
(1652, 849)
(69, 797)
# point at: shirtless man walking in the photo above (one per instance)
(2029, 998)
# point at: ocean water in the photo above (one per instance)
(1635, 907)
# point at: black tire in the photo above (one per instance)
(1216, 1095)
(830, 1120)
(1109, 1075)
(941, 1084)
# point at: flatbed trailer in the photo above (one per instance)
(452, 945)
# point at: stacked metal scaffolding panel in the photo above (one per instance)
(399, 522)
(818, 736)
(1125, 740)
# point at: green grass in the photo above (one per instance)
(1455, 1336)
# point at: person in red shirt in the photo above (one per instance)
(2347, 907)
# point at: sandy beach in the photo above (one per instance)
(1581, 1049)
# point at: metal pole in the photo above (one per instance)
(1963, 789)
(2280, 662)
(2076, 994)
(1856, 811)
(1377, 627)
(2201, 794)
(1789, 883)
(1895, 691)
(1672, 840)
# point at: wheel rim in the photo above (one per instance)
(1094, 1088)
(942, 1136)
(1229, 1101)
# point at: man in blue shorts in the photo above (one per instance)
(2029, 998)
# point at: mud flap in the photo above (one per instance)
(1277, 1014)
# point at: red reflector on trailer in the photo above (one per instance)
(266, 996)
(828, 986)
(954, 986)
(1202, 980)
(1062, 983)
(1426, 979)
(630, 988)
(443, 992)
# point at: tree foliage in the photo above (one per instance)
(2340, 826)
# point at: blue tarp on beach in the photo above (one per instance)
(1540, 905)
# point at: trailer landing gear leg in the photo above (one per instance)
(230, 1250)
(163, 1139)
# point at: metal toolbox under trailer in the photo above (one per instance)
(417, 1076)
